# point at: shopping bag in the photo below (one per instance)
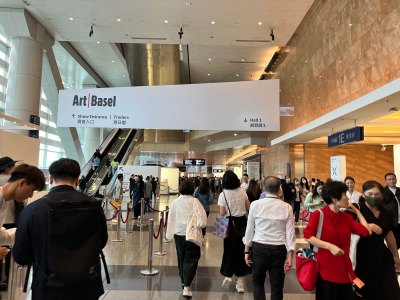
(221, 227)
(306, 269)
(305, 215)
(193, 232)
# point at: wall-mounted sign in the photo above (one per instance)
(34, 120)
(194, 162)
(355, 134)
(175, 107)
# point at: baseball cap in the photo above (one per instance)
(6, 161)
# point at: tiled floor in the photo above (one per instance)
(126, 259)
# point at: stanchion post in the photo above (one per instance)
(127, 223)
(161, 252)
(165, 241)
(118, 226)
(150, 271)
(141, 213)
(106, 206)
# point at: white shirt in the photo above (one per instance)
(118, 193)
(181, 209)
(270, 222)
(236, 200)
(353, 198)
(398, 202)
(244, 186)
(7, 236)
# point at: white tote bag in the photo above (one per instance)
(193, 232)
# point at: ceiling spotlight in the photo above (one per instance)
(118, 20)
(98, 42)
(235, 134)
(237, 75)
(272, 35)
(213, 22)
(383, 148)
(112, 61)
(166, 21)
(259, 23)
(209, 59)
(242, 59)
(208, 74)
(71, 18)
(91, 31)
(350, 24)
(209, 140)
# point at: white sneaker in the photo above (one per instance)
(239, 286)
(226, 282)
(187, 292)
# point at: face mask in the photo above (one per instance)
(288, 180)
(374, 201)
(319, 192)
(296, 183)
(304, 181)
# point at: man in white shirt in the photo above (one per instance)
(270, 234)
(391, 195)
(245, 182)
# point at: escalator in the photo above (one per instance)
(118, 150)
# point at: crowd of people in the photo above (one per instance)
(262, 217)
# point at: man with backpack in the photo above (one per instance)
(62, 235)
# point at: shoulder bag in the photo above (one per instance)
(193, 232)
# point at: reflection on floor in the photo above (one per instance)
(126, 260)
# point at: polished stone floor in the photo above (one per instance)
(126, 259)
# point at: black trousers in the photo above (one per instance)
(203, 230)
(296, 210)
(188, 255)
(233, 262)
(327, 290)
(269, 260)
(396, 233)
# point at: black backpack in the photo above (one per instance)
(74, 243)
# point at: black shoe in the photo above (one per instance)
(3, 286)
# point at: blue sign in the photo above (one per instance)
(355, 134)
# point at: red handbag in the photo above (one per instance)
(306, 264)
(306, 270)
(305, 215)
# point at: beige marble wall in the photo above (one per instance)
(331, 63)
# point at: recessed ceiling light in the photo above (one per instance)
(259, 23)
(98, 42)
(118, 20)
(242, 59)
(123, 75)
(235, 134)
(292, 76)
(209, 140)
(306, 61)
(237, 75)
(209, 59)
(166, 21)
(213, 22)
(320, 76)
(350, 24)
(112, 61)
(71, 18)
(339, 61)
(208, 74)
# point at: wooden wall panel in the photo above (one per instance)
(363, 162)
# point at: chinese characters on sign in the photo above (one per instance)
(255, 122)
(355, 134)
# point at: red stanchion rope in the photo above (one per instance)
(127, 215)
(166, 219)
(113, 217)
(159, 229)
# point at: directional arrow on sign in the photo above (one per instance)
(121, 168)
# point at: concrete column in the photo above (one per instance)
(24, 84)
(91, 141)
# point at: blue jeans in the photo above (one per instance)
(271, 260)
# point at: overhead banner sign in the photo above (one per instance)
(245, 105)
(355, 134)
(194, 162)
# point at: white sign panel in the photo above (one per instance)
(253, 170)
(246, 105)
(338, 167)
